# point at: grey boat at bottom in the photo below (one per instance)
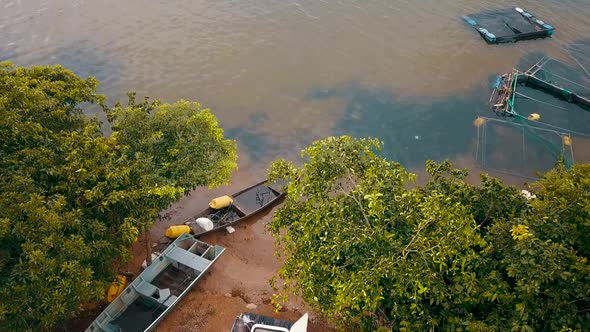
(157, 290)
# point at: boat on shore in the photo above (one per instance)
(248, 322)
(226, 211)
(157, 290)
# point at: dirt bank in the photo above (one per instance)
(240, 277)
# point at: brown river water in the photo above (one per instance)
(280, 74)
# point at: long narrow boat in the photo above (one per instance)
(237, 208)
(155, 292)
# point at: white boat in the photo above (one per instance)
(248, 322)
(157, 290)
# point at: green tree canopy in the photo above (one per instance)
(181, 142)
(362, 243)
(72, 200)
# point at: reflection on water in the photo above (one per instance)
(413, 130)
(416, 69)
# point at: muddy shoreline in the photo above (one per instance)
(240, 276)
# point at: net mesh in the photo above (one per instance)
(517, 148)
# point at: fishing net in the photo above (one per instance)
(542, 125)
(520, 149)
(567, 75)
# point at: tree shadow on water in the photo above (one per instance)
(7, 55)
(412, 130)
(258, 145)
(83, 58)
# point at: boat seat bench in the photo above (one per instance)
(147, 290)
(181, 256)
(191, 260)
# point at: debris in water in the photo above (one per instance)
(479, 121)
(534, 117)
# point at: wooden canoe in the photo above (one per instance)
(246, 204)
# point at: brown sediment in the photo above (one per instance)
(240, 276)
(203, 310)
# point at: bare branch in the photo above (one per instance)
(421, 226)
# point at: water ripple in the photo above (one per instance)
(251, 56)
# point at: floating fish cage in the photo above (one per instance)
(505, 89)
(508, 25)
(522, 144)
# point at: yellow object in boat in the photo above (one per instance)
(221, 202)
(116, 288)
(534, 117)
(567, 140)
(479, 121)
(175, 231)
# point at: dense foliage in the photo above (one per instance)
(366, 246)
(72, 200)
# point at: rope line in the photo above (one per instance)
(563, 78)
(573, 58)
(540, 101)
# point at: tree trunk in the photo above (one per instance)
(148, 244)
